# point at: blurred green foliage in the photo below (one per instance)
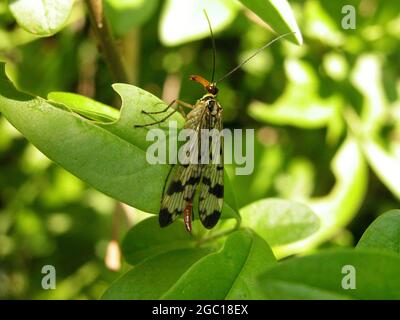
(327, 115)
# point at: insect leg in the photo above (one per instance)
(184, 104)
(161, 111)
(155, 122)
(179, 104)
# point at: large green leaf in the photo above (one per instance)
(280, 221)
(154, 276)
(278, 15)
(109, 156)
(228, 274)
(41, 17)
(147, 239)
(383, 233)
(320, 276)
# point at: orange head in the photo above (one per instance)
(210, 87)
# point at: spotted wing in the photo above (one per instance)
(179, 193)
(186, 178)
(212, 183)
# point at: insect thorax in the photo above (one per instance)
(206, 113)
(214, 108)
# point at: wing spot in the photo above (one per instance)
(175, 187)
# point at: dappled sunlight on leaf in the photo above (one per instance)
(319, 25)
(300, 104)
(385, 164)
(336, 209)
(374, 107)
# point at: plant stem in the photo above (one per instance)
(219, 234)
(104, 37)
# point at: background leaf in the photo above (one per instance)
(383, 233)
(228, 274)
(280, 221)
(385, 165)
(319, 276)
(300, 104)
(41, 17)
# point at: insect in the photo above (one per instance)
(205, 178)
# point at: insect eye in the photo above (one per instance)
(212, 89)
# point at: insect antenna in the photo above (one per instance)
(213, 45)
(253, 55)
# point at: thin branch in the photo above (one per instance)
(217, 235)
(104, 37)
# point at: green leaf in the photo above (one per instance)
(280, 221)
(41, 17)
(184, 21)
(278, 15)
(386, 165)
(336, 209)
(147, 239)
(383, 233)
(228, 274)
(320, 276)
(154, 276)
(126, 14)
(375, 107)
(374, 113)
(300, 105)
(315, 16)
(85, 106)
(97, 156)
(110, 157)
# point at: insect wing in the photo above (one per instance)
(180, 192)
(212, 183)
